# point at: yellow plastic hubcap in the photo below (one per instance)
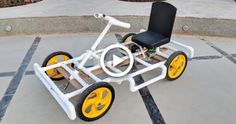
(97, 102)
(53, 73)
(177, 66)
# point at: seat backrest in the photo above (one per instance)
(162, 18)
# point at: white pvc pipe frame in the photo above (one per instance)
(63, 99)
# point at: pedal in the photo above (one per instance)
(66, 86)
(119, 38)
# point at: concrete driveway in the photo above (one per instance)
(203, 94)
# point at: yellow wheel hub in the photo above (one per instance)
(177, 66)
(97, 102)
(53, 73)
(127, 40)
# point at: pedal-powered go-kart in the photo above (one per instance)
(152, 49)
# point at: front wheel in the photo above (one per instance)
(95, 101)
(55, 58)
(176, 65)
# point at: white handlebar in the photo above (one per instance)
(112, 20)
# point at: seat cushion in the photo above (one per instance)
(150, 39)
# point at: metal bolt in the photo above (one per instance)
(8, 28)
(185, 28)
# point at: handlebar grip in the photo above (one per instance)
(99, 15)
(112, 20)
(121, 24)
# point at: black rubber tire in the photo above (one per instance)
(170, 59)
(133, 47)
(86, 93)
(126, 36)
(55, 54)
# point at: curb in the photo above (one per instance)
(75, 24)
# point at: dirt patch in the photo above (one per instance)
(143, 0)
(11, 3)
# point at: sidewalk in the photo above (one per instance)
(211, 17)
(220, 9)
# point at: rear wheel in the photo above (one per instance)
(126, 39)
(95, 101)
(176, 65)
(55, 58)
